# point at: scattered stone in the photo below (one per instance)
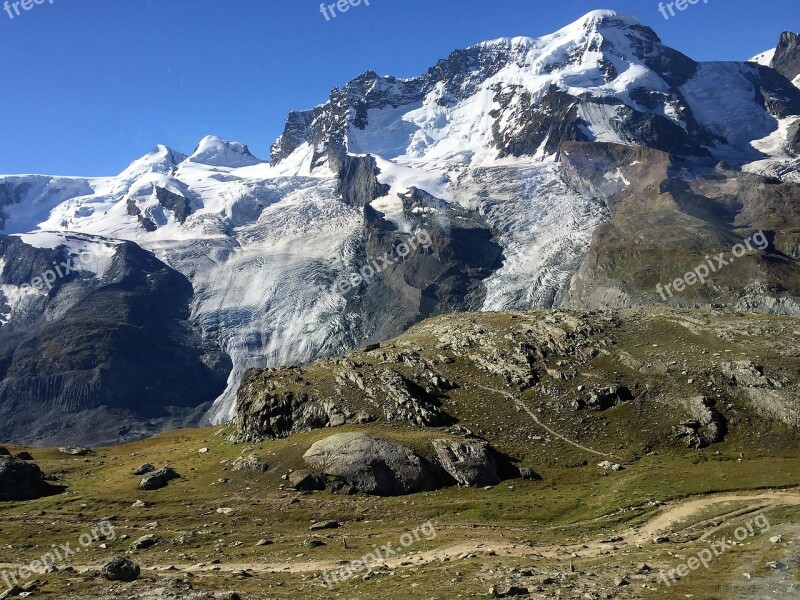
(120, 569)
(776, 539)
(321, 525)
(145, 542)
(203, 451)
(158, 479)
(621, 581)
(15, 590)
(224, 510)
(144, 469)
(314, 543)
(263, 542)
(4, 451)
(607, 465)
(509, 592)
(141, 504)
(75, 450)
(251, 462)
(662, 539)
(24, 456)
(306, 481)
(529, 474)
(777, 565)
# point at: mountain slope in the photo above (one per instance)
(459, 190)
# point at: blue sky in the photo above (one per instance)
(91, 85)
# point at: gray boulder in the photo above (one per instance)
(4, 451)
(120, 569)
(158, 479)
(144, 469)
(373, 466)
(469, 462)
(20, 480)
(145, 542)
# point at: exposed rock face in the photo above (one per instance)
(120, 569)
(20, 480)
(158, 479)
(267, 409)
(766, 396)
(469, 462)
(787, 55)
(373, 466)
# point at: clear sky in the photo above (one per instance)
(90, 85)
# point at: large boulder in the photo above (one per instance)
(20, 480)
(374, 466)
(120, 569)
(158, 479)
(469, 462)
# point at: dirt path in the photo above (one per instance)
(524, 407)
(661, 524)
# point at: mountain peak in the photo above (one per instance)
(215, 151)
(160, 159)
(604, 15)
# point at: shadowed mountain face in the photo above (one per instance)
(104, 356)
(586, 168)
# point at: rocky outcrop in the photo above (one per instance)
(469, 462)
(766, 396)
(787, 55)
(706, 426)
(20, 480)
(372, 465)
(603, 398)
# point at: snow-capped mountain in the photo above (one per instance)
(469, 156)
